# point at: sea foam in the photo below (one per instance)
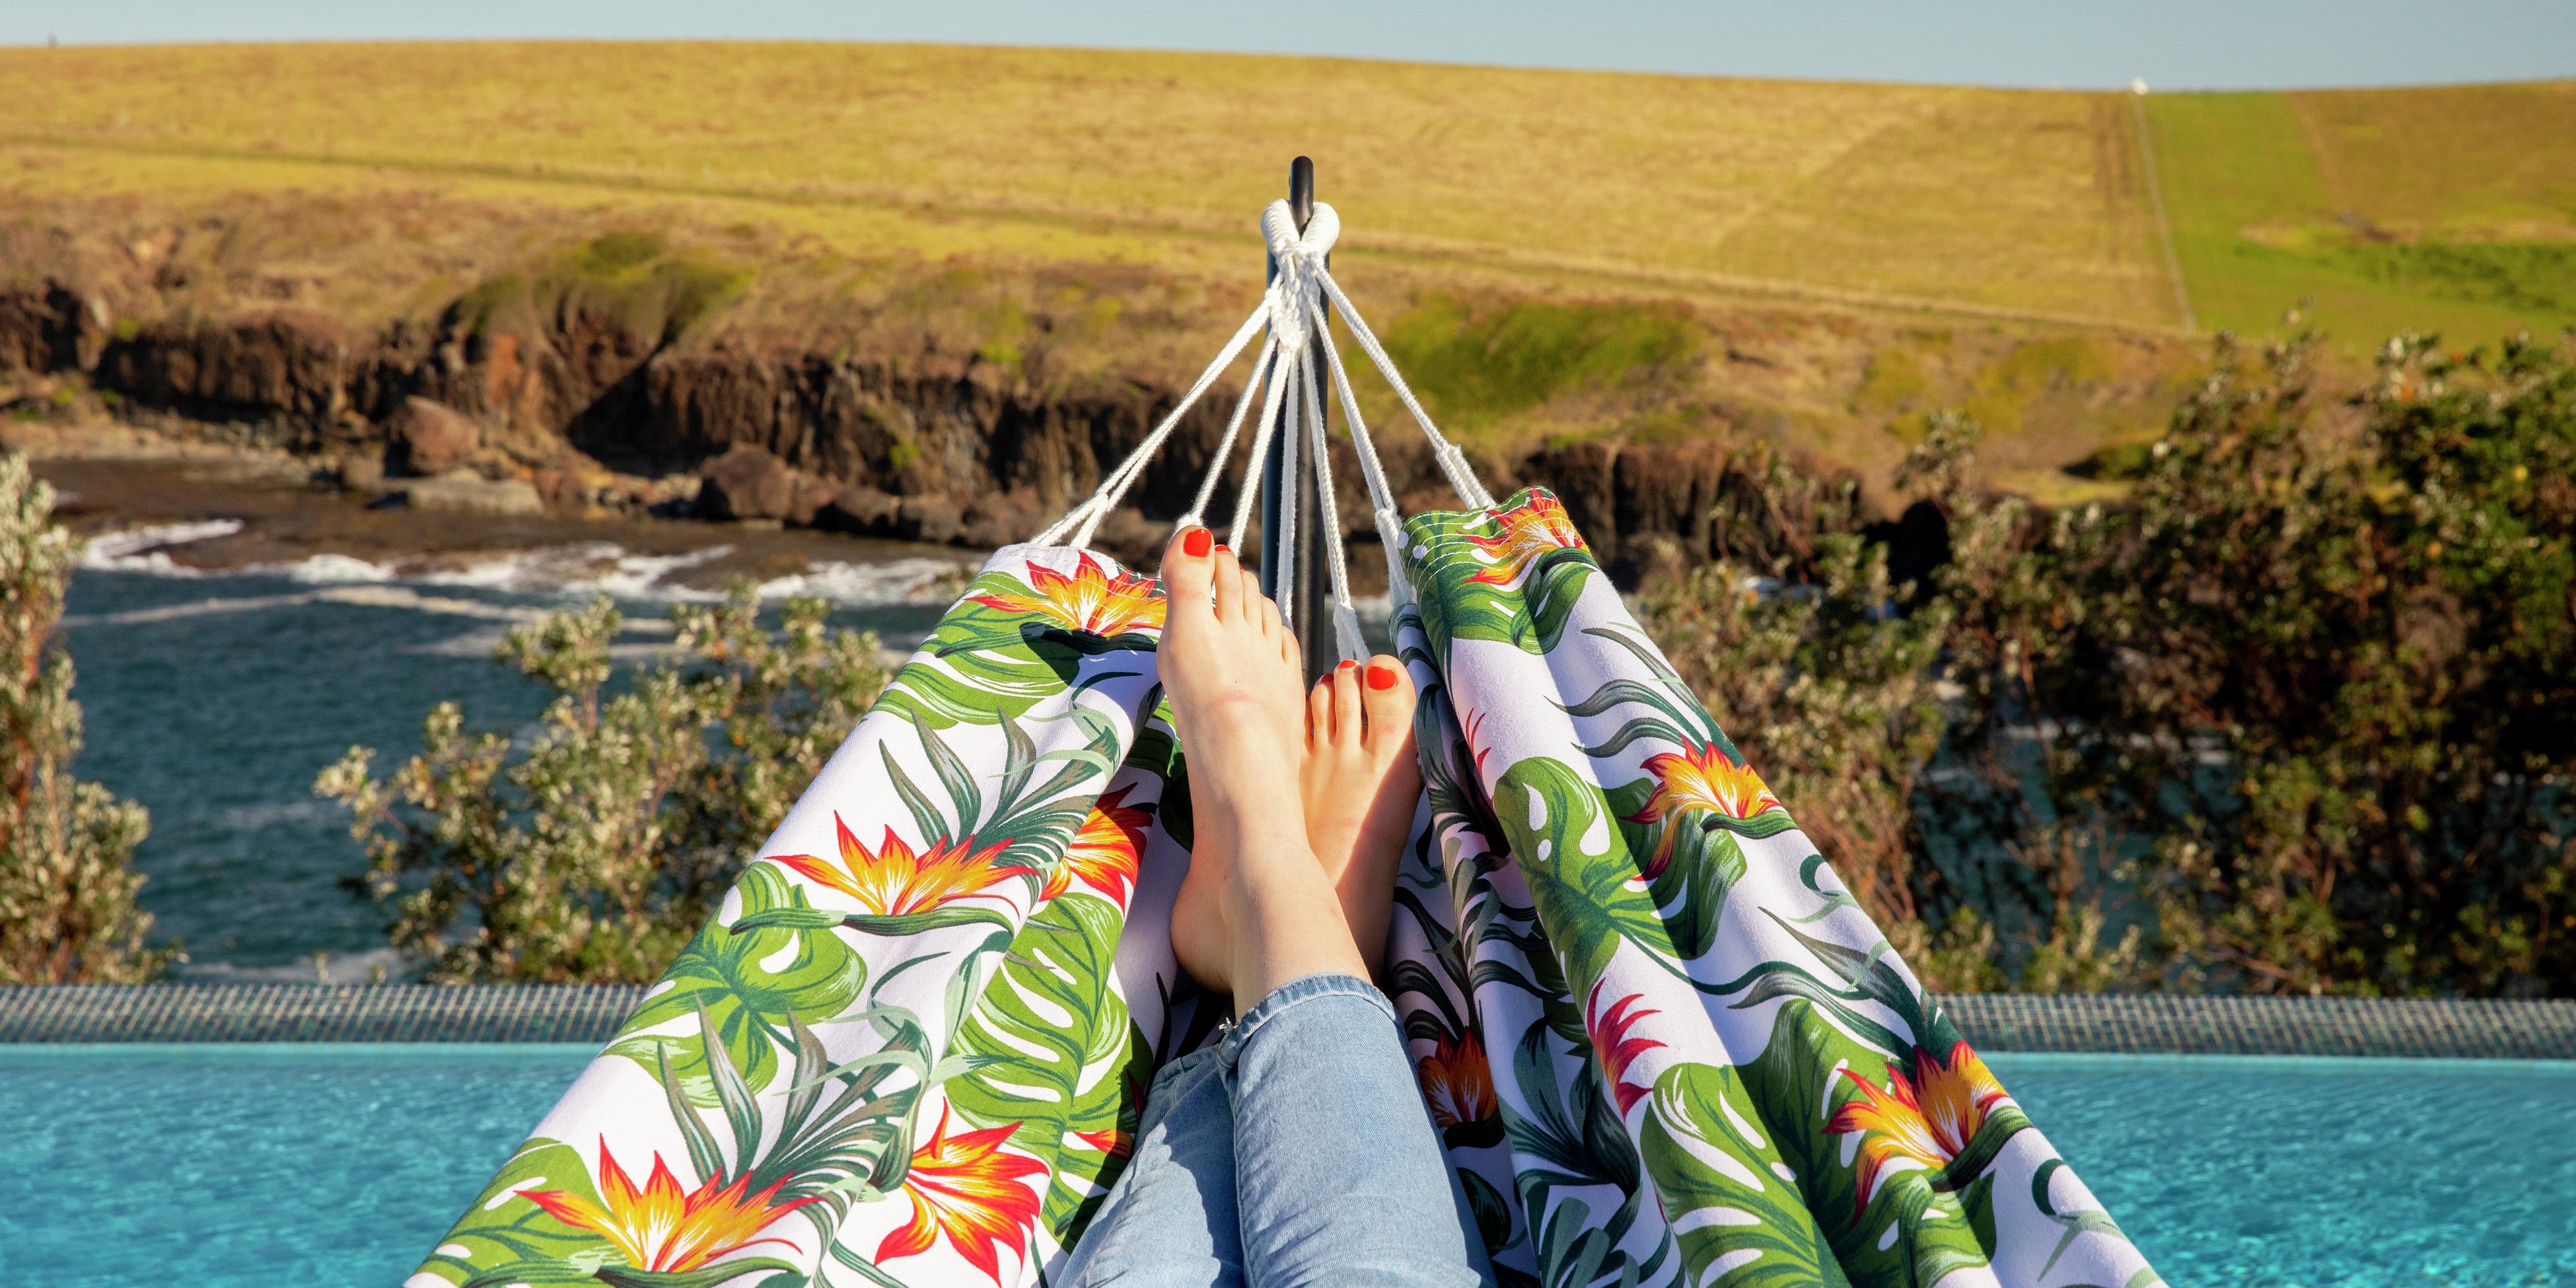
(574, 569)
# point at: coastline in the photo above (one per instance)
(185, 506)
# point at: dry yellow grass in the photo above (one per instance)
(2004, 200)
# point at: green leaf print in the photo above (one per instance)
(504, 1238)
(1512, 574)
(722, 973)
(1063, 1047)
(1710, 1157)
(1584, 897)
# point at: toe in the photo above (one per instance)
(1387, 695)
(1227, 580)
(1319, 714)
(1347, 723)
(1189, 570)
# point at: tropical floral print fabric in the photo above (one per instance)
(1698, 1061)
(1660, 1043)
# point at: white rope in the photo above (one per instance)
(1390, 524)
(1251, 490)
(1115, 485)
(1234, 426)
(1291, 431)
(1346, 619)
(1452, 461)
(1293, 309)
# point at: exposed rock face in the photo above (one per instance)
(289, 371)
(425, 438)
(922, 446)
(50, 327)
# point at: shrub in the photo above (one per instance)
(67, 885)
(2291, 717)
(596, 853)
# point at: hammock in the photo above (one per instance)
(1661, 1042)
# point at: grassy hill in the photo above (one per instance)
(2448, 208)
(1821, 261)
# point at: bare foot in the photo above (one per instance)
(1254, 911)
(1360, 784)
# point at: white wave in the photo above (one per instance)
(330, 570)
(253, 818)
(577, 569)
(146, 549)
(902, 581)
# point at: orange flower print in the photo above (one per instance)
(1610, 1040)
(1115, 1142)
(1092, 600)
(1701, 778)
(894, 881)
(1104, 852)
(966, 1190)
(658, 1227)
(1528, 531)
(1927, 1119)
(1457, 1083)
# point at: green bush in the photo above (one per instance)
(67, 885)
(596, 853)
(2292, 717)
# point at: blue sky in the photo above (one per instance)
(2176, 44)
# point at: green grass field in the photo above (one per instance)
(1556, 254)
(2445, 207)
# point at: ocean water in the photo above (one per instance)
(228, 1167)
(214, 699)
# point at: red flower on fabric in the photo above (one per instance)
(1927, 1119)
(1528, 531)
(1698, 778)
(1457, 1082)
(966, 1190)
(1093, 600)
(893, 880)
(1610, 1041)
(1105, 851)
(660, 1228)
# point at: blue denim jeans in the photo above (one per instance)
(1294, 1152)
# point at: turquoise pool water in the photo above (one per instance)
(226, 1167)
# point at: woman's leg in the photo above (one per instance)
(1339, 1179)
(1169, 1220)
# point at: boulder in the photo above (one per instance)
(747, 483)
(469, 495)
(933, 519)
(362, 471)
(859, 510)
(561, 489)
(998, 521)
(427, 438)
(809, 497)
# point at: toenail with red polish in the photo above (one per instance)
(1196, 542)
(1381, 677)
(1348, 665)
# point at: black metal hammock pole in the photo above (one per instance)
(1309, 598)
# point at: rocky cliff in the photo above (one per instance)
(918, 444)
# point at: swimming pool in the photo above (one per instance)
(230, 1166)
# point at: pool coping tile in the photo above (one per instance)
(2169, 1024)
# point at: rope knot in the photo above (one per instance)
(1300, 257)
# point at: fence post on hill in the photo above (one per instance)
(1307, 596)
